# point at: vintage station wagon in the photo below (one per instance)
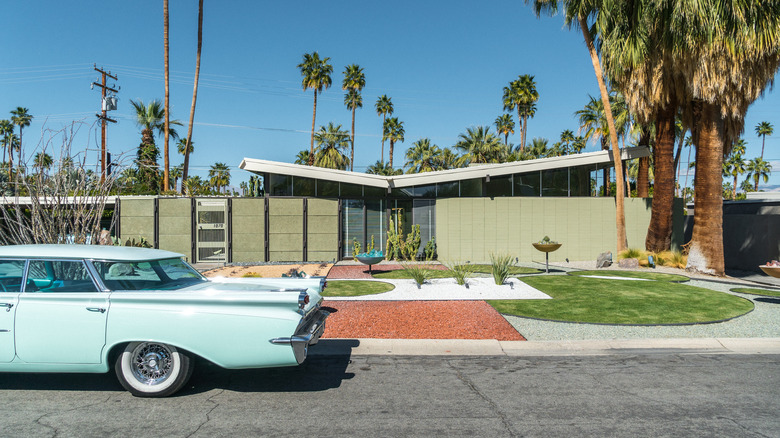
(147, 314)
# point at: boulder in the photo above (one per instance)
(604, 260)
(628, 263)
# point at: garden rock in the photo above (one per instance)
(604, 260)
(628, 263)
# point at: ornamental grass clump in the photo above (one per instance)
(419, 273)
(500, 265)
(461, 271)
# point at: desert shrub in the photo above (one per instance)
(500, 265)
(461, 271)
(419, 273)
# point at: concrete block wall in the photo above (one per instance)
(285, 229)
(136, 219)
(248, 230)
(175, 225)
(322, 229)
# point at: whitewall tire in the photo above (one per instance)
(152, 369)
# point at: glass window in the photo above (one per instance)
(580, 180)
(376, 224)
(281, 185)
(374, 192)
(60, 276)
(11, 273)
(351, 190)
(402, 212)
(471, 187)
(527, 184)
(403, 192)
(499, 186)
(352, 225)
(425, 217)
(303, 186)
(165, 274)
(555, 182)
(428, 191)
(448, 190)
(327, 189)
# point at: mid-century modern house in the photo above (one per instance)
(315, 214)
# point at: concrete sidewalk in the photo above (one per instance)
(491, 347)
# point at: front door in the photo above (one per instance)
(11, 273)
(61, 316)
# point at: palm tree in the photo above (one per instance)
(578, 144)
(21, 118)
(479, 145)
(194, 185)
(757, 168)
(577, 11)
(332, 143)
(186, 166)
(150, 118)
(735, 166)
(762, 130)
(316, 75)
(535, 150)
(219, 176)
(166, 163)
(6, 130)
(567, 140)
(384, 108)
(505, 126)
(302, 157)
(43, 161)
(176, 173)
(180, 147)
(522, 95)
(423, 157)
(393, 131)
(354, 81)
(449, 159)
(384, 169)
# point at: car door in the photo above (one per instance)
(61, 315)
(11, 274)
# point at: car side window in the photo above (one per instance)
(11, 274)
(60, 276)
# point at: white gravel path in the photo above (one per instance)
(448, 289)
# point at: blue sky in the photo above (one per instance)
(444, 64)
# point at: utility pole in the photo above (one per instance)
(103, 117)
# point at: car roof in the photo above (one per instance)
(99, 252)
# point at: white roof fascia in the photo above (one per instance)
(442, 176)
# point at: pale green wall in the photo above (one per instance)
(285, 229)
(136, 219)
(323, 229)
(248, 230)
(175, 222)
(471, 228)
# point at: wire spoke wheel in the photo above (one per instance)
(152, 369)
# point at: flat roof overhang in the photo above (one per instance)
(442, 176)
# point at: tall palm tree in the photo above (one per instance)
(757, 169)
(6, 130)
(578, 11)
(567, 138)
(332, 145)
(316, 75)
(762, 130)
(176, 173)
(479, 145)
(43, 161)
(578, 144)
(302, 157)
(449, 159)
(393, 131)
(423, 156)
(354, 81)
(186, 166)
(536, 149)
(166, 162)
(219, 176)
(734, 166)
(180, 148)
(505, 125)
(384, 108)
(21, 118)
(384, 169)
(521, 94)
(151, 118)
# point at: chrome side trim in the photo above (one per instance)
(307, 335)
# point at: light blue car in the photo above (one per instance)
(147, 313)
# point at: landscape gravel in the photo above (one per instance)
(447, 289)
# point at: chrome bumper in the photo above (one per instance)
(308, 333)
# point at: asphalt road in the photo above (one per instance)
(627, 395)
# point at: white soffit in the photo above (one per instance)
(442, 176)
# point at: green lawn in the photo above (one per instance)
(594, 300)
(764, 292)
(401, 274)
(354, 288)
(513, 270)
(633, 274)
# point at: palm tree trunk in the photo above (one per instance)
(167, 95)
(313, 118)
(384, 118)
(352, 153)
(763, 142)
(522, 133)
(19, 162)
(525, 126)
(620, 214)
(659, 233)
(186, 166)
(734, 193)
(391, 152)
(643, 173)
(706, 251)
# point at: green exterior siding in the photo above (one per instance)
(248, 229)
(322, 229)
(136, 219)
(285, 229)
(175, 222)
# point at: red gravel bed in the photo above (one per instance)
(361, 271)
(417, 320)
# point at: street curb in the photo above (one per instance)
(492, 347)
